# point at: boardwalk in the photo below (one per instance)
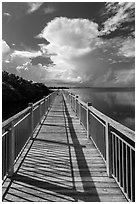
(61, 164)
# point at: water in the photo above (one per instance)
(117, 104)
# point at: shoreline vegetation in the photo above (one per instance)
(18, 92)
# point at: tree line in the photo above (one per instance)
(18, 92)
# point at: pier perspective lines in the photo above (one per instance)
(60, 163)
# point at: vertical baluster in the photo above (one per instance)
(11, 149)
(71, 100)
(116, 157)
(113, 154)
(31, 119)
(131, 176)
(76, 97)
(44, 98)
(127, 173)
(79, 112)
(108, 149)
(119, 158)
(73, 103)
(46, 105)
(49, 101)
(68, 97)
(123, 166)
(6, 151)
(88, 118)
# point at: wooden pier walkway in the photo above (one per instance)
(61, 164)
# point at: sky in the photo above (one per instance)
(70, 43)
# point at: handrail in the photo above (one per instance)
(23, 112)
(7, 122)
(18, 130)
(114, 141)
(125, 130)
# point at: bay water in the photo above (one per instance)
(118, 104)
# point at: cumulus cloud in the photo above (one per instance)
(71, 33)
(70, 39)
(81, 55)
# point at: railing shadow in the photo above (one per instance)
(46, 173)
(80, 157)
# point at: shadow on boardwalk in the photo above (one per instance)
(47, 172)
(82, 163)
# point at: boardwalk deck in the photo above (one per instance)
(61, 164)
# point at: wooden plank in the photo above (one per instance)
(61, 165)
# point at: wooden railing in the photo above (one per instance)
(18, 130)
(115, 143)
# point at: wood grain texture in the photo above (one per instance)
(61, 164)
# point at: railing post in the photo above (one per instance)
(88, 118)
(108, 150)
(79, 112)
(44, 98)
(31, 118)
(45, 104)
(48, 103)
(71, 100)
(76, 97)
(40, 112)
(11, 149)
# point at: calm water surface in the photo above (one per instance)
(119, 105)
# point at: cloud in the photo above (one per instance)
(5, 51)
(70, 39)
(128, 48)
(31, 72)
(6, 16)
(73, 33)
(120, 13)
(43, 74)
(33, 6)
(81, 55)
(49, 9)
(14, 58)
(27, 54)
(5, 47)
(125, 77)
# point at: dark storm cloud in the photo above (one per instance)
(45, 61)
